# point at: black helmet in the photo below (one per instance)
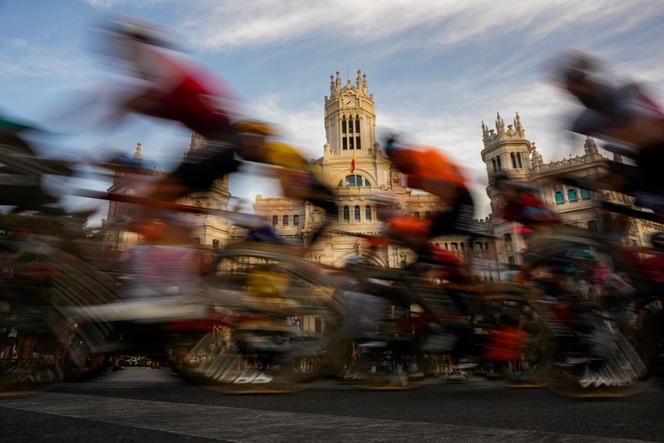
(391, 144)
(574, 68)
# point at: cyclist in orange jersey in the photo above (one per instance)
(431, 171)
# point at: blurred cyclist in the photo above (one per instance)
(294, 172)
(623, 113)
(174, 89)
(521, 204)
(431, 171)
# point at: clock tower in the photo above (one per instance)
(350, 118)
(352, 156)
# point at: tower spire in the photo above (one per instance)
(589, 147)
(500, 124)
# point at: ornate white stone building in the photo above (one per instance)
(350, 129)
(506, 149)
(354, 166)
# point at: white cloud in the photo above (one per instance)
(228, 24)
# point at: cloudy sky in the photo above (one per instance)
(437, 68)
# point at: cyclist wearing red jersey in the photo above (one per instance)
(177, 90)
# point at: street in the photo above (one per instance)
(140, 404)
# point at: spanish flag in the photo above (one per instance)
(352, 164)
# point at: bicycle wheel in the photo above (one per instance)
(520, 340)
(273, 318)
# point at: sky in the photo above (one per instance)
(436, 68)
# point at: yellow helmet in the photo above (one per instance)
(284, 155)
(254, 127)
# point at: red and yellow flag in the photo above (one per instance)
(352, 164)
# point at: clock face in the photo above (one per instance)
(349, 102)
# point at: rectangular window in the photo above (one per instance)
(275, 220)
(560, 198)
(357, 213)
(498, 163)
(571, 195)
(513, 160)
(296, 220)
(585, 194)
(357, 143)
(518, 160)
(350, 143)
(346, 214)
(344, 140)
(367, 213)
(493, 162)
(285, 220)
(357, 125)
(343, 125)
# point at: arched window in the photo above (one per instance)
(560, 197)
(285, 220)
(275, 220)
(356, 181)
(367, 213)
(571, 195)
(346, 214)
(357, 213)
(296, 220)
(215, 243)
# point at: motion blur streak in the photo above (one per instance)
(579, 312)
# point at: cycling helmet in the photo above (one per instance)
(576, 68)
(139, 31)
(254, 127)
(657, 240)
(391, 144)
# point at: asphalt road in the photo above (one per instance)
(152, 405)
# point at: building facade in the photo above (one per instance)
(353, 165)
(507, 150)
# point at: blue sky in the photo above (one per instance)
(436, 68)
